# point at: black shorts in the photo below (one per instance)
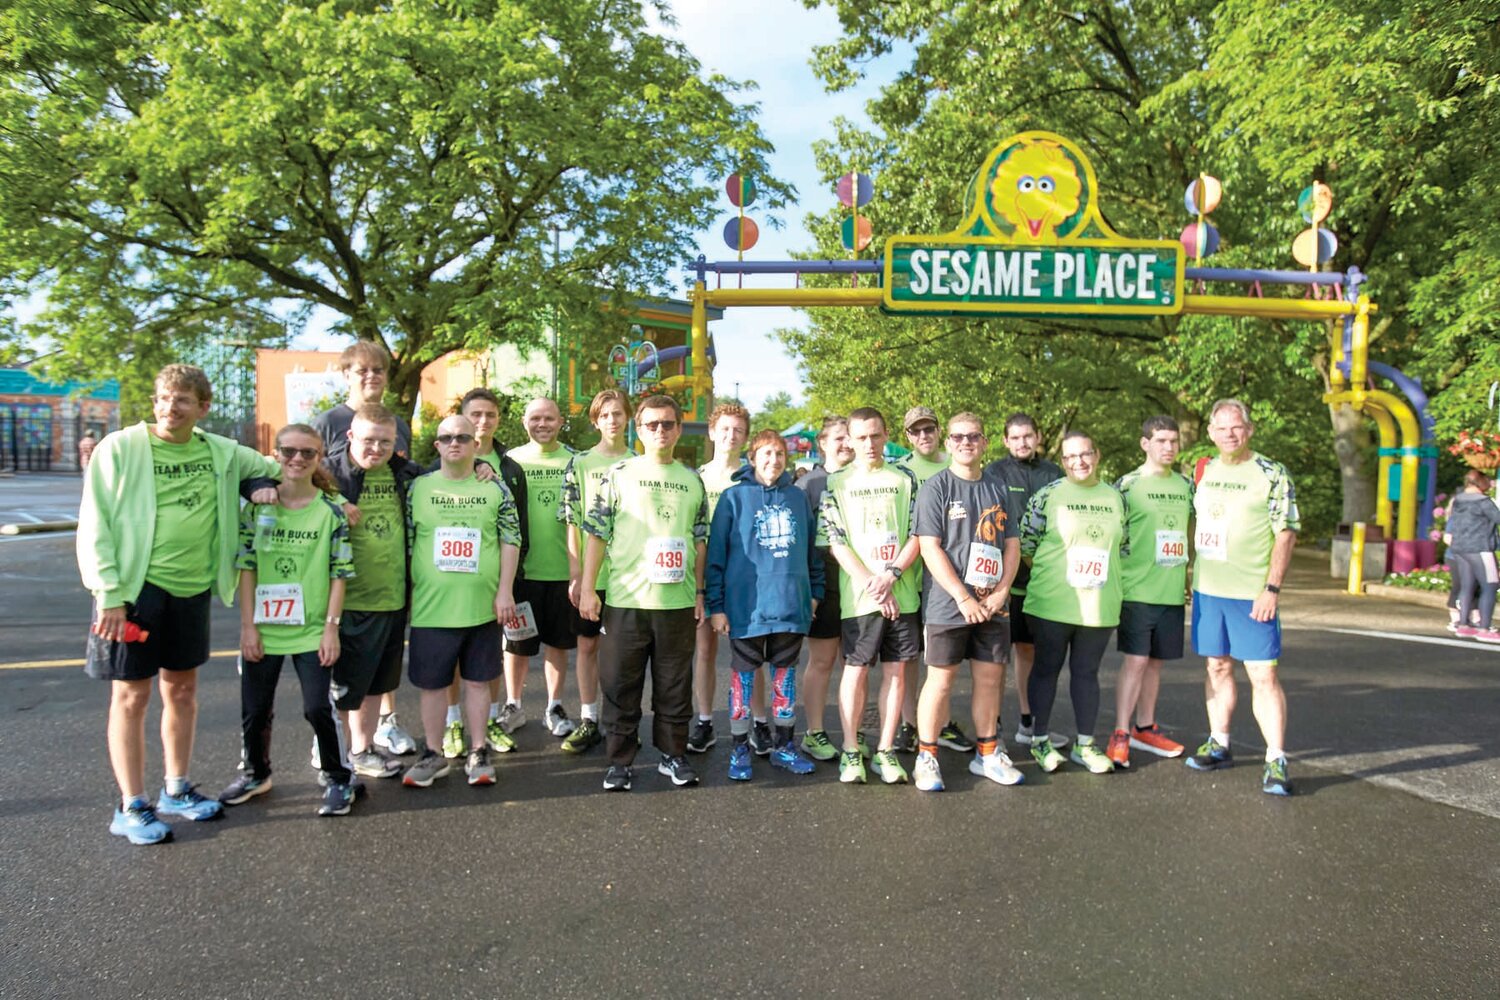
(434, 651)
(874, 638)
(779, 649)
(178, 639)
(950, 645)
(1020, 630)
(827, 622)
(1153, 630)
(370, 644)
(556, 618)
(588, 629)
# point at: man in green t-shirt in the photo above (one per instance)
(1159, 507)
(651, 520)
(465, 540)
(1245, 530)
(869, 508)
(543, 585)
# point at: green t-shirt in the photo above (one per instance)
(1075, 536)
(715, 481)
(923, 468)
(872, 512)
(183, 548)
(652, 518)
(456, 527)
(308, 547)
(1157, 511)
(1239, 511)
(582, 480)
(379, 542)
(547, 551)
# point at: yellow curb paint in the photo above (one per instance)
(222, 654)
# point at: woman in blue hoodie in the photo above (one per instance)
(762, 582)
(1471, 538)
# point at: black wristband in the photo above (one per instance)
(1273, 588)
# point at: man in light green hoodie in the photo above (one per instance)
(157, 531)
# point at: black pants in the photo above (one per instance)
(1054, 640)
(258, 708)
(631, 639)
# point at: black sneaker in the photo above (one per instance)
(761, 740)
(243, 788)
(617, 778)
(679, 770)
(954, 738)
(701, 737)
(906, 738)
(338, 799)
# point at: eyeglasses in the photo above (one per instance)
(289, 453)
(366, 372)
(922, 430)
(1080, 457)
(379, 444)
(660, 425)
(966, 438)
(454, 438)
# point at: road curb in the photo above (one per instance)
(1426, 598)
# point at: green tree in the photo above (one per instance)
(169, 168)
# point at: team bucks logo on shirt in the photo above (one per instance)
(378, 525)
(1169, 521)
(1095, 533)
(191, 500)
(664, 512)
(875, 520)
(547, 497)
(286, 566)
(1216, 510)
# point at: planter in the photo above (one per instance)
(1486, 461)
(1408, 595)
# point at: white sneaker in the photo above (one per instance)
(1023, 737)
(557, 721)
(512, 717)
(997, 767)
(927, 774)
(389, 736)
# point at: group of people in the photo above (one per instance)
(343, 552)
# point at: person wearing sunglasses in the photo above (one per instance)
(294, 561)
(1075, 536)
(465, 538)
(651, 519)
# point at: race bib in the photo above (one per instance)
(1212, 540)
(878, 548)
(527, 627)
(984, 566)
(278, 604)
(666, 560)
(1171, 548)
(456, 550)
(1088, 567)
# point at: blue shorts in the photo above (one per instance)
(1222, 626)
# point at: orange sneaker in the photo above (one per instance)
(1153, 740)
(1119, 748)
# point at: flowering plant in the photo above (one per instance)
(1480, 449)
(1435, 578)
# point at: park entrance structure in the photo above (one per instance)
(1035, 243)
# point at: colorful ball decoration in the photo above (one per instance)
(1321, 242)
(856, 232)
(1202, 195)
(1199, 239)
(855, 190)
(1315, 203)
(741, 234)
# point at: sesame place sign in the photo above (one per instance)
(1034, 243)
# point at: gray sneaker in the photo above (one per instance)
(478, 767)
(372, 763)
(512, 717)
(428, 768)
(1023, 737)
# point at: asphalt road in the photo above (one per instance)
(1380, 878)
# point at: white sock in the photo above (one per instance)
(760, 720)
(176, 786)
(1084, 741)
(455, 714)
(1274, 754)
(554, 703)
(494, 710)
(590, 710)
(1221, 738)
(705, 718)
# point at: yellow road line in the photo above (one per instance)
(222, 654)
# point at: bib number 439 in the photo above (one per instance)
(666, 560)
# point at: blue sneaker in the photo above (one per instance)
(139, 825)
(739, 762)
(1273, 780)
(189, 804)
(1211, 756)
(789, 758)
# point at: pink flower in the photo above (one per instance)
(1439, 512)
(1435, 535)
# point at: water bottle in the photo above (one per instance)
(134, 633)
(265, 527)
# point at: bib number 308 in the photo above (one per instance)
(456, 550)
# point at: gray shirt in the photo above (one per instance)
(961, 514)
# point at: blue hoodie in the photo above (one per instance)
(763, 571)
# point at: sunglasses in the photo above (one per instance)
(966, 438)
(922, 430)
(289, 453)
(660, 425)
(454, 438)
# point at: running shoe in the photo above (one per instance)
(585, 736)
(557, 721)
(702, 736)
(926, 773)
(315, 761)
(138, 824)
(478, 767)
(851, 767)
(370, 764)
(1487, 635)
(889, 767)
(678, 769)
(997, 767)
(391, 737)
(739, 762)
(243, 788)
(338, 799)
(512, 717)
(1211, 756)
(817, 745)
(1273, 781)
(617, 778)
(1090, 756)
(1119, 748)
(906, 738)
(1044, 752)
(761, 740)
(789, 758)
(1466, 631)
(428, 768)
(1453, 625)
(455, 740)
(498, 739)
(190, 805)
(954, 738)
(1024, 734)
(1153, 740)
(863, 744)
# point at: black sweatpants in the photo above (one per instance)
(631, 640)
(1054, 642)
(258, 708)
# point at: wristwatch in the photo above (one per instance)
(893, 569)
(1273, 588)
